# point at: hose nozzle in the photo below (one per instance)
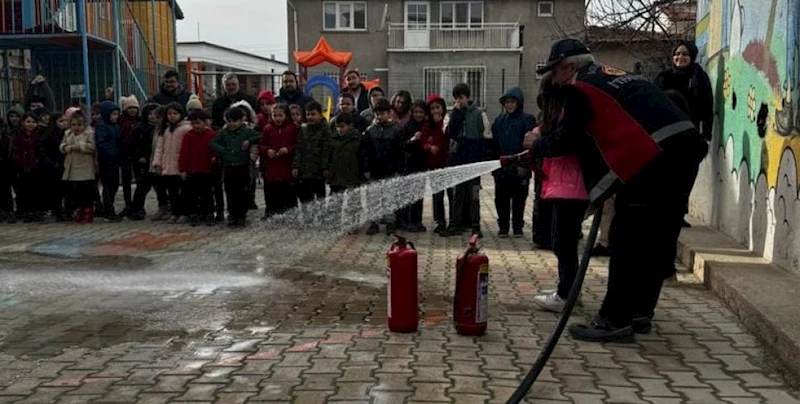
(506, 161)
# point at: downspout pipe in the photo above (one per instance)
(296, 35)
(85, 51)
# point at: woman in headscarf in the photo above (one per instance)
(691, 81)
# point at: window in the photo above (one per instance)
(461, 14)
(345, 15)
(539, 66)
(441, 80)
(544, 8)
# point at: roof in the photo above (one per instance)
(597, 34)
(227, 49)
(322, 53)
(172, 3)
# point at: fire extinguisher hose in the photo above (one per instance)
(544, 354)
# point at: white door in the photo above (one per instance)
(417, 25)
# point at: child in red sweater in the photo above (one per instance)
(276, 148)
(436, 145)
(197, 162)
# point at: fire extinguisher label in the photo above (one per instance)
(482, 306)
(389, 292)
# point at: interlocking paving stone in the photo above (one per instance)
(316, 332)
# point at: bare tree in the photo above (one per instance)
(655, 19)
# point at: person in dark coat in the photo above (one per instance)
(291, 93)
(6, 179)
(348, 165)
(511, 183)
(409, 218)
(691, 81)
(129, 117)
(143, 139)
(347, 106)
(52, 165)
(171, 91)
(39, 95)
(25, 158)
(310, 164)
(357, 90)
(233, 94)
(385, 158)
(108, 136)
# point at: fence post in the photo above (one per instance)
(117, 77)
(85, 53)
(503, 81)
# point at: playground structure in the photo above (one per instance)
(323, 53)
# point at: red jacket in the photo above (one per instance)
(435, 137)
(275, 138)
(197, 157)
(127, 123)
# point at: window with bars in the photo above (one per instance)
(461, 14)
(441, 80)
(344, 15)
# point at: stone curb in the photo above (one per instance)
(765, 297)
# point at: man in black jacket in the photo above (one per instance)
(291, 93)
(357, 90)
(171, 91)
(233, 94)
(643, 148)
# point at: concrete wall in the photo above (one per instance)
(406, 73)
(748, 186)
(369, 48)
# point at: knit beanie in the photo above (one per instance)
(194, 103)
(70, 111)
(16, 109)
(266, 95)
(128, 102)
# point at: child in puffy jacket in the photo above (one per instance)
(166, 161)
(276, 148)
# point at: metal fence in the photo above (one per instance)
(442, 79)
(436, 36)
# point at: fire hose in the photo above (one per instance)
(555, 334)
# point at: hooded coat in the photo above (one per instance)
(263, 120)
(368, 113)
(165, 97)
(142, 136)
(311, 157)
(168, 148)
(693, 84)
(222, 104)
(78, 162)
(508, 130)
(108, 136)
(276, 137)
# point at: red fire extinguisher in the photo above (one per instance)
(471, 300)
(401, 294)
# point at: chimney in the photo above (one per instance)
(272, 56)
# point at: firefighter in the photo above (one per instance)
(644, 150)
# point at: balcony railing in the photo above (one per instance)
(416, 36)
(25, 17)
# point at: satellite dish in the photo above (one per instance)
(385, 15)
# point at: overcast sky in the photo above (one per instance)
(255, 26)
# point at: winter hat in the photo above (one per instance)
(253, 118)
(148, 108)
(376, 88)
(266, 95)
(70, 111)
(194, 103)
(436, 98)
(129, 102)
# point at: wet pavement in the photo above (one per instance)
(114, 313)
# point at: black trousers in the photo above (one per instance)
(219, 192)
(510, 194)
(237, 190)
(310, 188)
(199, 199)
(651, 204)
(56, 191)
(109, 178)
(566, 226)
(128, 173)
(6, 198)
(81, 193)
(542, 217)
(29, 192)
(438, 207)
(465, 208)
(175, 187)
(146, 181)
(279, 197)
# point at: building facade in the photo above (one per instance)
(748, 185)
(82, 47)
(205, 63)
(429, 46)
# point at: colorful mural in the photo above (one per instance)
(750, 49)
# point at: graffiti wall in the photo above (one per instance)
(748, 186)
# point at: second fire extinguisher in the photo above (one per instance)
(401, 294)
(471, 300)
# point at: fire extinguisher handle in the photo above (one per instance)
(473, 240)
(410, 245)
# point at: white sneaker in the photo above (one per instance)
(546, 292)
(550, 302)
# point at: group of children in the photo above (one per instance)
(72, 167)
